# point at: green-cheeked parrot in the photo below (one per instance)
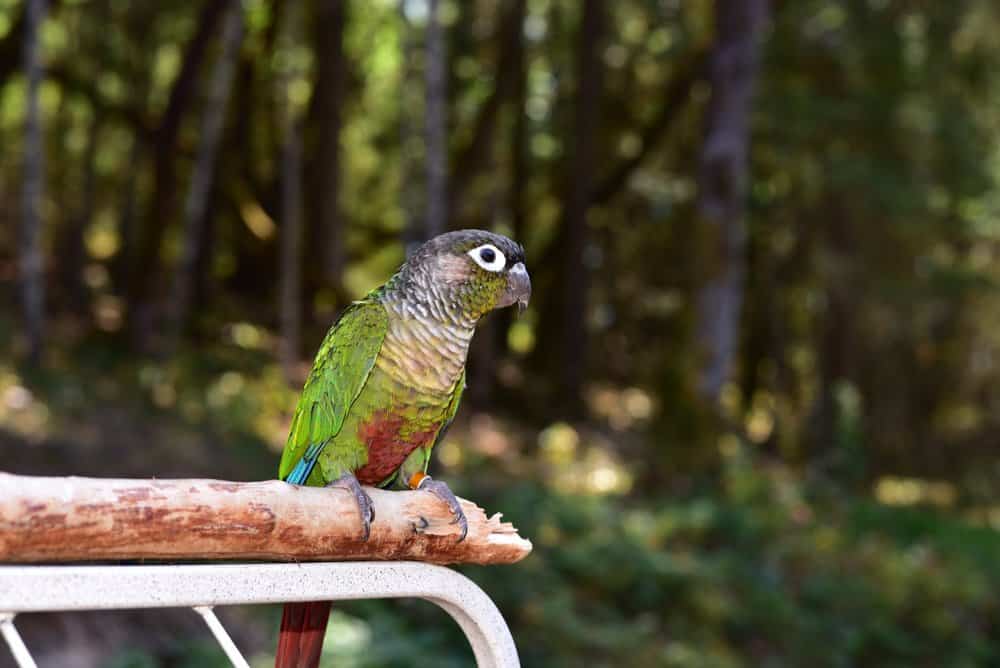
(387, 382)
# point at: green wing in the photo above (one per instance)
(342, 366)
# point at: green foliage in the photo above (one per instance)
(764, 567)
(99, 400)
(754, 575)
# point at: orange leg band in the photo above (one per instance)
(416, 479)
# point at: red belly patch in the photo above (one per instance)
(390, 441)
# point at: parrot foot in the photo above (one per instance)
(365, 506)
(442, 491)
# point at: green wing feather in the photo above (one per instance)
(342, 366)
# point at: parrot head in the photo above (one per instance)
(473, 271)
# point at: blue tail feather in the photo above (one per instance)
(305, 467)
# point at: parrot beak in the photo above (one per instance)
(518, 288)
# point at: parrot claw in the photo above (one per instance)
(365, 506)
(443, 492)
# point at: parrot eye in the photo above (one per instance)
(489, 257)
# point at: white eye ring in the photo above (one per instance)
(494, 260)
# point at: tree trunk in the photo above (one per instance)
(13, 42)
(519, 128)
(120, 268)
(290, 280)
(507, 83)
(106, 518)
(722, 184)
(581, 158)
(409, 138)
(196, 206)
(836, 336)
(330, 84)
(201, 282)
(519, 165)
(32, 263)
(71, 251)
(145, 268)
(435, 120)
(139, 78)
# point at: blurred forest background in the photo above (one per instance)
(752, 416)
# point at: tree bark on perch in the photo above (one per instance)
(82, 519)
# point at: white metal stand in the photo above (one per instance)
(201, 586)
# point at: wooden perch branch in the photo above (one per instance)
(79, 519)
